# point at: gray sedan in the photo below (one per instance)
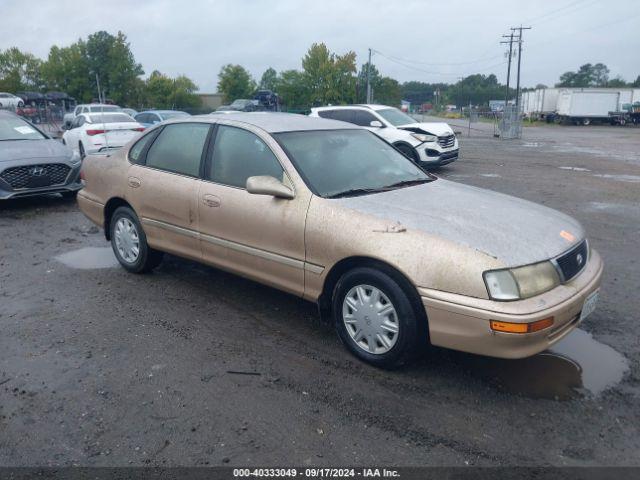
(32, 163)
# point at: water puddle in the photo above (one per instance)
(575, 366)
(575, 169)
(89, 258)
(620, 178)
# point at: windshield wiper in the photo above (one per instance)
(406, 183)
(354, 192)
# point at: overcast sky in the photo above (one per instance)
(417, 39)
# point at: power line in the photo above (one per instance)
(431, 72)
(569, 5)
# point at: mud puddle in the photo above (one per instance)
(576, 366)
(89, 258)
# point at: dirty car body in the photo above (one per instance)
(31, 163)
(332, 213)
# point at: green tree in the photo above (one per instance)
(19, 71)
(329, 77)
(617, 82)
(111, 58)
(420, 92)
(385, 90)
(235, 82)
(269, 79)
(588, 75)
(293, 90)
(636, 82)
(164, 92)
(66, 69)
(477, 89)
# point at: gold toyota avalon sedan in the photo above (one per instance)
(328, 211)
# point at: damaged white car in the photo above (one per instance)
(428, 144)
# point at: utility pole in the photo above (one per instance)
(510, 42)
(99, 93)
(520, 28)
(369, 100)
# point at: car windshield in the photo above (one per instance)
(104, 108)
(395, 117)
(13, 128)
(111, 118)
(337, 163)
(168, 115)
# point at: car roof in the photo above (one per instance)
(370, 106)
(162, 111)
(275, 122)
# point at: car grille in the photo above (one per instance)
(572, 262)
(447, 141)
(47, 174)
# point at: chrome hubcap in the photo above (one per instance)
(370, 319)
(127, 240)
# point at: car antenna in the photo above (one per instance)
(104, 125)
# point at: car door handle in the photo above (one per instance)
(134, 182)
(211, 200)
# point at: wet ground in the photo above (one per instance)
(193, 366)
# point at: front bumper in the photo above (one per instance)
(434, 155)
(462, 323)
(71, 184)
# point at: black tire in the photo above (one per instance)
(81, 151)
(20, 104)
(412, 334)
(408, 152)
(147, 258)
(64, 141)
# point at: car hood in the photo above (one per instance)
(514, 231)
(13, 150)
(435, 128)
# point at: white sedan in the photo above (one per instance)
(95, 132)
(9, 101)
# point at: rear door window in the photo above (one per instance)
(178, 148)
(363, 118)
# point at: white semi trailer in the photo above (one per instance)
(540, 104)
(584, 106)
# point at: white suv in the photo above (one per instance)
(427, 144)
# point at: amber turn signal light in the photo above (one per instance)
(509, 327)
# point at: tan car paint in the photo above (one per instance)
(293, 244)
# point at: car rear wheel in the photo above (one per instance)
(129, 242)
(376, 319)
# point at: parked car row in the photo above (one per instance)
(329, 211)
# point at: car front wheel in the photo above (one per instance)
(129, 242)
(376, 319)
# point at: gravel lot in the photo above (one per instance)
(193, 366)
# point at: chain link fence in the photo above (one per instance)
(510, 125)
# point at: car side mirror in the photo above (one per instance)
(376, 124)
(64, 127)
(268, 185)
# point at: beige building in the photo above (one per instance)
(211, 100)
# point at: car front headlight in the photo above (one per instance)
(423, 137)
(521, 282)
(75, 158)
